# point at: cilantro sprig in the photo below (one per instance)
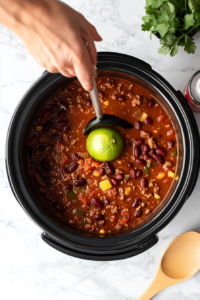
(173, 20)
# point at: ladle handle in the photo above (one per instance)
(159, 283)
(95, 100)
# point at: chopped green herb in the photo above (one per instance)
(82, 221)
(146, 169)
(74, 201)
(79, 189)
(174, 153)
(126, 178)
(71, 194)
(79, 212)
(150, 164)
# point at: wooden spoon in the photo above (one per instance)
(180, 261)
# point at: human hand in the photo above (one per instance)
(54, 34)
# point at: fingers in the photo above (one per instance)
(84, 69)
(91, 47)
(95, 35)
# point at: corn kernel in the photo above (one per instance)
(122, 103)
(156, 196)
(127, 191)
(143, 117)
(105, 185)
(38, 128)
(171, 174)
(106, 103)
(96, 173)
(102, 231)
(161, 175)
(155, 131)
(95, 67)
(119, 162)
(77, 130)
(177, 177)
(53, 130)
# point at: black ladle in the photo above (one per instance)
(103, 120)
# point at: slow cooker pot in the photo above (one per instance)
(69, 240)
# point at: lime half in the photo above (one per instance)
(105, 144)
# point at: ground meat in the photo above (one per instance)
(88, 226)
(73, 142)
(114, 209)
(118, 226)
(167, 165)
(73, 175)
(118, 171)
(101, 222)
(121, 193)
(151, 182)
(150, 141)
(89, 220)
(147, 211)
(136, 100)
(101, 96)
(156, 189)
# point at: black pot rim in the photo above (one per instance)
(111, 61)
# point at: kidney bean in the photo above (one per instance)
(110, 168)
(64, 104)
(89, 102)
(148, 121)
(101, 171)
(60, 208)
(136, 151)
(97, 202)
(107, 202)
(130, 165)
(151, 103)
(45, 164)
(119, 177)
(161, 151)
(139, 173)
(158, 158)
(34, 141)
(114, 181)
(151, 151)
(76, 157)
(145, 148)
(67, 128)
(159, 136)
(136, 202)
(128, 143)
(62, 123)
(99, 217)
(170, 144)
(138, 142)
(61, 115)
(69, 187)
(122, 99)
(80, 182)
(72, 167)
(65, 171)
(138, 125)
(137, 213)
(146, 156)
(133, 174)
(144, 182)
(140, 161)
(47, 126)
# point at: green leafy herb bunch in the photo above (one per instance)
(173, 20)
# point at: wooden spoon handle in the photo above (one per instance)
(159, 283)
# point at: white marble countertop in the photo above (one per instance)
(29, 269)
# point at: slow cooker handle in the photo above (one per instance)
(140, 248)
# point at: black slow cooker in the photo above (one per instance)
(69, 240)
